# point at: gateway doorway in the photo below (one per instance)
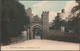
(37, 33)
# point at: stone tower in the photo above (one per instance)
(63, 16)
(45, 20)
(29, 13)
(63, 10)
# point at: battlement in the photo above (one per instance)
(29, 11)
(45, 12)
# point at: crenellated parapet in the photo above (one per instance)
(45, 13)
(29, 11)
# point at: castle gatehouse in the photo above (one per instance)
(39, 26)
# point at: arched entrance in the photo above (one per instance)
(37, 32)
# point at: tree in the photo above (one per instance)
(57, 22)
(76, 8)
(13, 18)
(63, 23)
(73, 23)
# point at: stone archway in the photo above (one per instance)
(37, 31)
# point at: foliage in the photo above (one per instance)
(58, 22)
(76, 8)
(13, 18)
(63, 23)
(73, 23)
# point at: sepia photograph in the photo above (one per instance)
(40, 25)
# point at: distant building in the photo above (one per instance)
(29, 12)
(63, 17)
(63, 14)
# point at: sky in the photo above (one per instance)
(52, 6)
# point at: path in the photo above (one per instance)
(37, 44)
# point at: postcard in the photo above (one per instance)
(40, 25)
